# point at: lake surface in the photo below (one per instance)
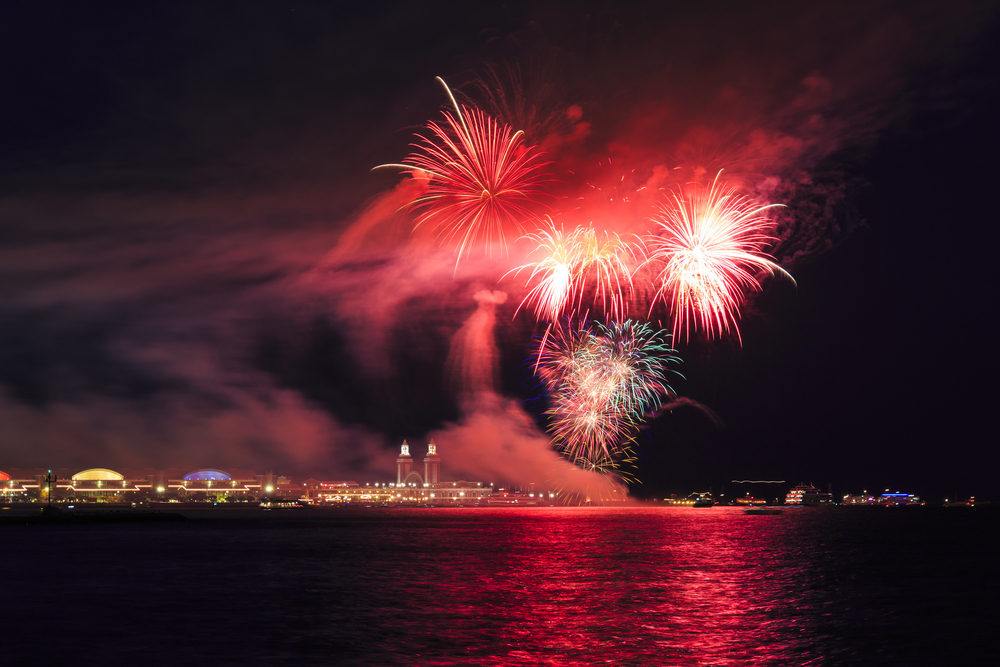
(532, 586)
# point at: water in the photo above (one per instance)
(549, 586)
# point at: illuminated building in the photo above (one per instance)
(404, 464)
(883, 499)
(130, 486)
(899, 499)
(432, 464)
(97, 483)
(444, 493)
(221, 485)
(410, 487)
(93, 484)
(863, 499)
(7, 490)
(216, 485)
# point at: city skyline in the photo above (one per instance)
(16, 483)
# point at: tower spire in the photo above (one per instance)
(404, 463)
(432, 464)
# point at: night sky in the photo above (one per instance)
(199, 268)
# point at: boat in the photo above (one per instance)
(750, 501)
(763, 510)
(807, 494)
(280, 504)
(703, 500)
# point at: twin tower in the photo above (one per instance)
(404, 466)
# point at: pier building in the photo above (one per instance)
(127, 486)
(133, 485)
(410, 487)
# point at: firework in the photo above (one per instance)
(619, 469)
(605, 265)
(533, 100)
(567, 263)
(635, 359)
(481, 180)
(710, 246)
(602, 381)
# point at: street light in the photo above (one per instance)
(49, 479)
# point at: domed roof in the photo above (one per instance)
(4, 476)
(98, 475)
(207, 475)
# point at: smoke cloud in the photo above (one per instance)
(497, 440)
(473, 363)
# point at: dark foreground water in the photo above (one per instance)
(533, 586)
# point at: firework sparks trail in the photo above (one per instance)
(481, 178)
(601, 384)
(605, 261)
(618, 470)
(556, 271)
(710, 245)
(568, 261)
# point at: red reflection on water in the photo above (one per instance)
(678, 586)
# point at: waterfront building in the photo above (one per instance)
(404, 464)
(7, 490)
(93, 484)
(210, 484)
(127, 486)
(410, 487)
(103, 485)
(882, 499)
(432, 464)
(899, 499)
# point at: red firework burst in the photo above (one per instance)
(711, 248)
(567, 262)
(482, 181)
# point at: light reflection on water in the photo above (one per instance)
(647, 585)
